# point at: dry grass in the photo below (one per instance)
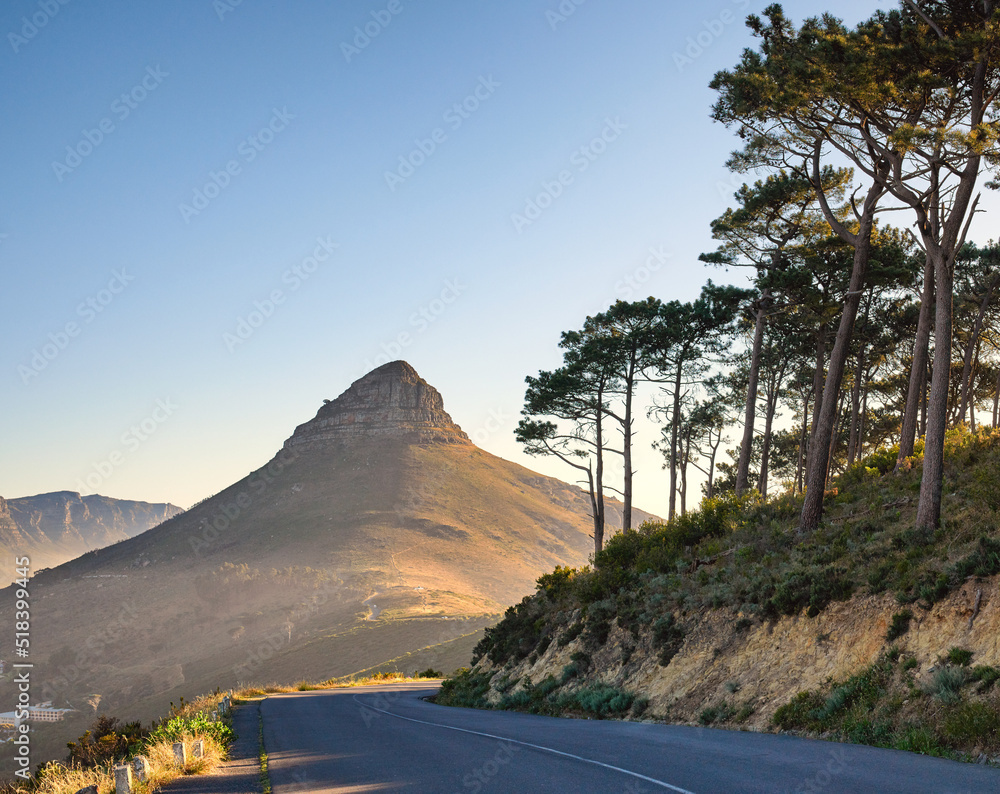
(59, 779)
(255, 692)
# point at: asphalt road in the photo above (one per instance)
(382, 739)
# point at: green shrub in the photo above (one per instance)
(639, 707)
(947, 684)
(973, 725)
(811, 589)
(959, 656)
(796, 714)
(600, 700)
(713, 714)
(108, 741)
(465, 688)
(173, 729)
(899, 626)
(598, 622)
(582, 659)
(570, 634)
(515, 637)
(986, 675)
(558, 584)
(668, 636)
(918, 739)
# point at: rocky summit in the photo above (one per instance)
(392, 401)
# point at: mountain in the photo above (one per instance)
(55, 527)
(378, 535)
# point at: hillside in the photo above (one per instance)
(378, 536)
(55, 527)
(863, 630)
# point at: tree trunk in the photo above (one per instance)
(996, 402)
(924, 379)
(864, 423)
(973, 344)
(684, 467)
(819, 378)
(855, 429)
(918, 368)
(765, 453)
(834, 438)
(627, 449)
(599, 519)
(931, 482)
(675, 421)
(743, 467)
(819, 446)
(710, 491)
(802, 444)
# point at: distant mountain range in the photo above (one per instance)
(379, 536)
(53, 528)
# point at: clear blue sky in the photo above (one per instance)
(170, 168)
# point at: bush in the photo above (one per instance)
(558, 584)
(514, 637)
(797, 713)
(960, 657)
(599, 700)
(973, 724)
(175, 728)
(108, 741)
(986, 676)
(430, 672)
(465, 688)
(947, 684)
(668, 636)
(570, 634)
(811, 588)
(899, 626)
(713, 714)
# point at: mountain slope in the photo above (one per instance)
(378, 530)
(55, 527)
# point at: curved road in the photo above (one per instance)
(386, 738)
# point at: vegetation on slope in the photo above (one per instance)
(749, 556)
(109, 743)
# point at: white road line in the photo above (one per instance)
(654, 781)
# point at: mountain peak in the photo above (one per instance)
(392, 401)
